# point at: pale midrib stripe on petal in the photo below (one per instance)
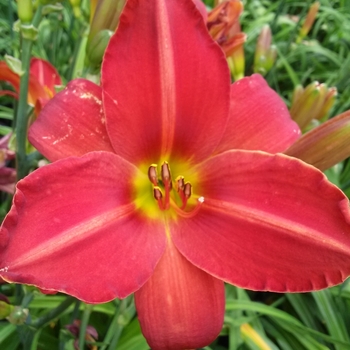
(167, 79)
(72, 235)
(274, 222)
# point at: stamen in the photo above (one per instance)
(152, 174)
(188, 190)
(158, 195)
(180, 183)
(166, 175)
(185, 194)
(162, 192)
(188, 214)
(180, 186)
(166, 178)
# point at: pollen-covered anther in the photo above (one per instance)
(180, 183)
(152, 174)
(167, 183)
(166, 175)
(166, 198)
(158, 195)
(188, 190)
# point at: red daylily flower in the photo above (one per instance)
(42, 80)
(103, 221)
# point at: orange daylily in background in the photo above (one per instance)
(43, 77)
(224, 27)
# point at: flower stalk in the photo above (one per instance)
(54, 313)
(21, 120)
(84, 323)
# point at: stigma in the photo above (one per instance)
(171, 193)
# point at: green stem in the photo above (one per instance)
(114, 329)
(22, 118)
(19, 294)
(84, 324)
(27, 300)
(54, 313)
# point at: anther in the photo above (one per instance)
(188, 190)
(152, 174)
(166, 175)
(180, 183)
(158, 195)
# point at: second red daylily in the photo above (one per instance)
(166, 182)
(42, 80)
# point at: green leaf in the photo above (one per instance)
(332, 317)
(14, 64)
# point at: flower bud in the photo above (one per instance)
(236, 61)
(104, 19)
(25, 11)
(5, 309)
(265, 53)
(76, 7)
(96, 49)
(309, 21)
(312, 102)
(326, 145)
(223, 25)
(106, 16)
(18, 315)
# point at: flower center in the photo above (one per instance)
(172, 194)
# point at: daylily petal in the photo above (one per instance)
(180, 306)
(202, 9)
(178, 100)
(80, 235)
(72, 123)
(45, 73)
(258, 230)
(259, 119)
